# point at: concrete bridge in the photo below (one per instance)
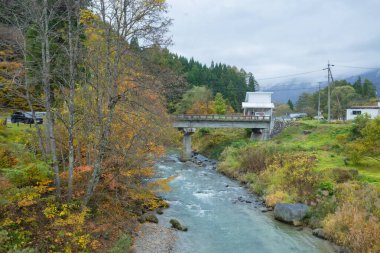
(261, 126)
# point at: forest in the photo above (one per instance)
(102, 73)
(75, 183)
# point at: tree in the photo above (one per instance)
(368, 90)
(252, 83)
(196, 95)
(290, 103)
(110, 64)
(367, 139)
(220, 104)
(358, 86)
(306, 102)
(282, 109)
(341, 99)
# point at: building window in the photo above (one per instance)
(356, 112)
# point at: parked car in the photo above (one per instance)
(320, 117)
(25, 117)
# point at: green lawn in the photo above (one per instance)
(314, 137)
(321, 140)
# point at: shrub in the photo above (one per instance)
(352, 227)
(277, 197)
(7, 159)
(204, 131)
(318, 213)
(122, 245)
(327, 186)
(30, 174)
(342, 175)
(356, 222)
(253, 159)
(294, 174)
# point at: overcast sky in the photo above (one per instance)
(279, 37)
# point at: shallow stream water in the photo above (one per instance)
(223, 217)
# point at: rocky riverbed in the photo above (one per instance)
(154, 238)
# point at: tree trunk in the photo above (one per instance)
(48, 101)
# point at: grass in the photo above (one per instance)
(319, 139)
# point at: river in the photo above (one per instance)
(223, 217)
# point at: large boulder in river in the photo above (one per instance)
(290, 213)
(177, 225)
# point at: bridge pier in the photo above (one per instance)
(260, 134)
(187, 151)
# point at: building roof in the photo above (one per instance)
(365, 107)
(257, 105)
(257, 92)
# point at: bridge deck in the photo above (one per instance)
(221, 121)
(216, 117)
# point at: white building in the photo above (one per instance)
(258, 104)
(354, 111)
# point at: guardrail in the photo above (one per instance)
(216, 117)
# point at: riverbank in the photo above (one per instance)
(153, 238)
(306, 164)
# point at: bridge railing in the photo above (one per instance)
(217, 117)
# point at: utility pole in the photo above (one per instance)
(319, 101)
(328, 90)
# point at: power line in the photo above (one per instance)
(297, 74)
(353, 67)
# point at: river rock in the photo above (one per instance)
(148, 217)
(318, 232)
(266, 209)
(290, 213)
(177, 225)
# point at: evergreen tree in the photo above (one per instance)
(291, 106)
(252, 84)
(220, 104)
(358, 85)
(368, 90)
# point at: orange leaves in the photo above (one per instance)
(26, 199)
(82, 169)
(10, 66)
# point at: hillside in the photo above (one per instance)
(293, 89)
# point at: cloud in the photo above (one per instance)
(276, 37)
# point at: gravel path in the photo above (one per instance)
(154, 238)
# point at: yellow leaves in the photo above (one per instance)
(88, 17)
(26, 203)
(50, 211)
(26, 199)
(7, 222)
(10, 66)
(143, 172)
(95, 244)
(277, 197)
(83, 241)
(162, 185)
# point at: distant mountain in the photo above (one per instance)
(293, 89)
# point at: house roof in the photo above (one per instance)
(257, 105)
(365, 107)
(256, 92)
